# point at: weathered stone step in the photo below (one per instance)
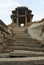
(25, 40)
(25, 36)
(22, 61)
(21, 32)
(18, 41)
(20, 29)
(25, 48)
(21, 41)
(4, 55)
(24, 44)
(22, 53)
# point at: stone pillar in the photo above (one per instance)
(17, 16)
(30, 18)
(12, 20)
(25, 16)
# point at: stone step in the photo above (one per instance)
(20, 29)
(22, 53)
(25, 38)
(17, 41)
(22, 38)
(22, 61)
(25, 48)
(22, 34)
(4, 55)
(25, 41)
(24, 44)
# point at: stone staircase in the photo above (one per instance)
(22, 50)
(23, 43)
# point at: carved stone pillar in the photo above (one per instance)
(17, 16)
(25, 16)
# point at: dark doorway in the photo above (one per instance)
(21, 20)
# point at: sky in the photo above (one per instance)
(6, 7)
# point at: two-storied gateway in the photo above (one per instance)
(21, 16)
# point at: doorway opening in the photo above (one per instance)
(21, 21)
(22, 25)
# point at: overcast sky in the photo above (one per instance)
(6, 6)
